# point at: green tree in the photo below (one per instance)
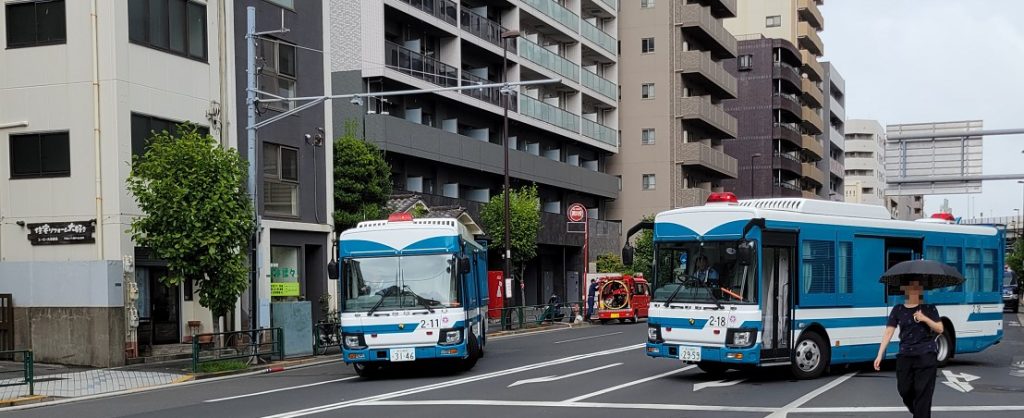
(197, 214)
(362, 180)
(1016, 258)
(610, 263)
(524, 222)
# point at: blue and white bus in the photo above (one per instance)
(795, 282)
(411, 290)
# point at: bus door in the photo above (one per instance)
(898, 250)
(778, 254)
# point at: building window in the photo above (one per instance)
(144, 126)
(280, 180)
(744, 62)
(646, 4)
(174, 26)
(36, 23)
(647, 136)
(647, 91)
(647, 45)
(40, 155)
(648, 182)
(773, 21)
(277, 72)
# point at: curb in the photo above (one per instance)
(25, 400)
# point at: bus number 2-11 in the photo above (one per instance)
(430, 323)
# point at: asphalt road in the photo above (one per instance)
(598, 371)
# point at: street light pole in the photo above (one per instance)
(506, 37)
(752, 157)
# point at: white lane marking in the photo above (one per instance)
(525, 334)
(959, 381)
(450, 383)
(564, 404)
(716, 384)
(556, 377)
(628, 384)
(785, 410)
(279, 390)
(587, 338)
(879, 409)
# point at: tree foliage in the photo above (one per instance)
(643, 256)
(197, 214)
(1016, 258)
(524, 222)
(610, 263)
(362, 180)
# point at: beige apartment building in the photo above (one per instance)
(671, 120)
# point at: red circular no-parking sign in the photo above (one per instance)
(576, 212)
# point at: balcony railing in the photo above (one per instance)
(812, 92)
(485, 29)
(690, 197)
(547, 59)
(700, 109)
(599, 37)
(809, 11)
(789, 102)
(555, 11)
(811, 66)
(788, 72)
(614, 4)
(809, 39)
(812, 121)
(812, 146)
(425, 68)
(698, 62)
(812, 172)
(836, 167)
(697, 154)
(490, 95)
(699, 17)
(600, 132)
(544, 112)
(445, 10)
(599, 84)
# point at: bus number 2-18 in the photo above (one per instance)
(717, 321)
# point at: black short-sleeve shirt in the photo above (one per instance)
(916, 338)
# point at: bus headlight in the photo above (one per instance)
(654, 334)
(450, 337)
(741, 338)
(354, 341)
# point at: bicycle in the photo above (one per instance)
(326, 335)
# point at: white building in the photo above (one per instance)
(865, 162)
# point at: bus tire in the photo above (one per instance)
(946, 344)
(713, 369)
(810, 357)
(483, 331)
(472, 353)
(367, 370)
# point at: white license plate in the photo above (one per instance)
(689, 353)
(405, 354)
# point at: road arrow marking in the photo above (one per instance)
(960, 381)
(716, 384)
(553, 378)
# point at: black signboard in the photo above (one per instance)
(53, 233)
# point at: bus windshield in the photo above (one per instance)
(402, 282)
(704, 272)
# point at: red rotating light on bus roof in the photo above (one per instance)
(946, 216)
(722, 197)
(400, 217)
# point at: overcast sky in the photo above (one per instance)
(909, 61)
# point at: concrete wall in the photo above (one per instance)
(72, 335)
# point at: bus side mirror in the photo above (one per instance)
(745, 252)
(332, 270)
(464, 266)
(627, 255)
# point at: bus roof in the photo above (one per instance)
(394, 237)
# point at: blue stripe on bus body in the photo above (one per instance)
(871, 321)
(985, 316)
(349, 248)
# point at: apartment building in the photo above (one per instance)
(833, 113)
(799, 172)
(445, 146)
(81, 91)
(672, 121)
(865, 162)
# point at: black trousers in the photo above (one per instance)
(915, 381)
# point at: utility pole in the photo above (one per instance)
(250, 136)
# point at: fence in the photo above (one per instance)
(532, 316)
(325, 336)
(27, 370)
(253, 346)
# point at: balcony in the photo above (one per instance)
(612, 4)
(812, 93)
(544, 112)
(417, 65)
(809, 194)
(547, 59)
(700, 110)
(813, 147)
(836, 168)
(702, 155)
(599, 84)
(786, 72)
(555, 11)
(445, 10)
(787, 102)
(808, 39)
(723, 8)
(688, 197)
(786, 189)
(788, 162)
(594, 130)
(813, 173)
(698, 22)
(811, 121)
(490, 95)
(485, 29)
(811, 66)
(789, 132)
(599, 37)
(699, 65)
(808, 11)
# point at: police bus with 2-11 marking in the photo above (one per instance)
(795, 282)
(411, 290)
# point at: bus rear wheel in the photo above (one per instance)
(811, 356)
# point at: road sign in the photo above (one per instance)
(576, 212)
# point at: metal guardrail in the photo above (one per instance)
(532, 316)
(27, 370)
(253, 346)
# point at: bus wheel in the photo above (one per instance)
(811, 356)
(367, 370)
(472, 353)
(713, 369)
(945, 343)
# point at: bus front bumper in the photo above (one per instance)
(422, 353)
(727, 355)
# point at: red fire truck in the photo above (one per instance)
(623, 298)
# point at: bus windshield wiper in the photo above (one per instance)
(381, 301)
(710, 292)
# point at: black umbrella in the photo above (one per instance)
(931, 274)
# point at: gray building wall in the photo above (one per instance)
(833, 115)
